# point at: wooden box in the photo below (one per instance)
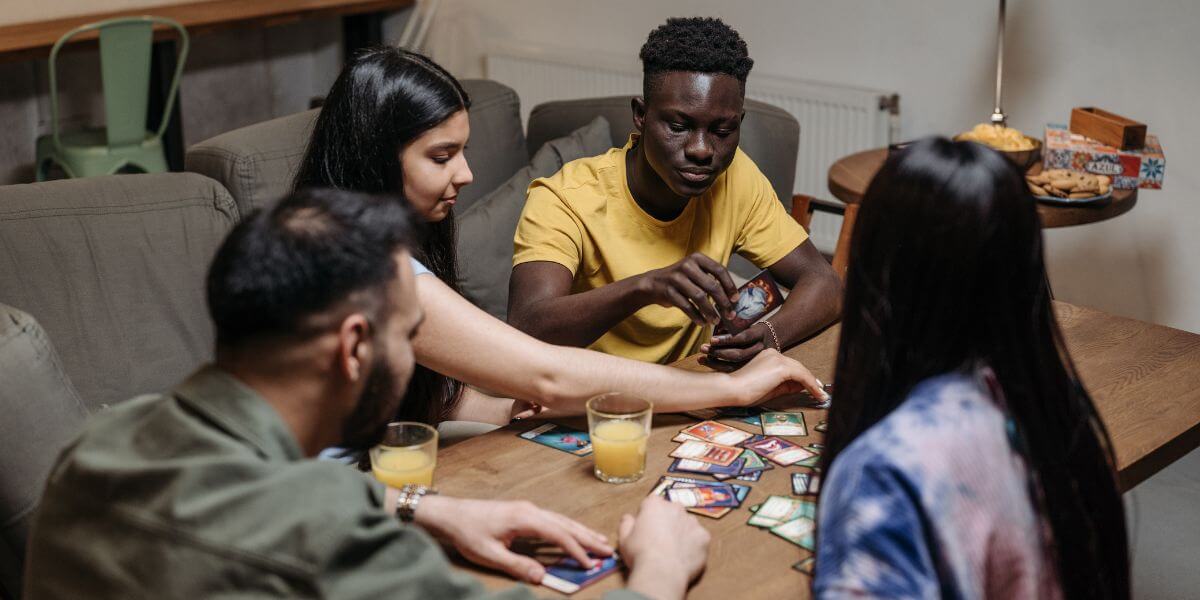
(1108, 128)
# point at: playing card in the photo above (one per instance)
(777, 510)
(686, 465)
(669, 481)
(797, 531)
(707, 452)
(780, 451)
(566, 575)
(800, 483)
(717, 433)
(750, 476)
(703, 496)
(783, 423)
(756, 298)
(806, 566)
(822, 427)
(560, 437)
(753, 462)
(683, 437)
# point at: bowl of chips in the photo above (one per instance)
(1018, 147)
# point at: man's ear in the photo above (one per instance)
(638, 104)
(355, 347)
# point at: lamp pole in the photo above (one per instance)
(998, 117)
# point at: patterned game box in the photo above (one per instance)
(1129, 169)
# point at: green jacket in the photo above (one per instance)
(203, 492)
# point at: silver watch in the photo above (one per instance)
(410, 497)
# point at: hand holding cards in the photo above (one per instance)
(755, 299)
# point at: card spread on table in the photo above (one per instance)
(779, 450)
(806, 566)
(797, 531)
(717, 433)
(566, 575)
(754, 462)
(783, 423)
(756, 298)
(686, 465)
(777, 510)
(800, 483)
(560, 437)
(707, 452)
(674, 482)
(702, 497)
(750, 476)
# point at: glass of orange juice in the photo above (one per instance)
(407, 455)
(619, 426)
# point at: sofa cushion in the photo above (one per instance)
(114, 268)
(485, 231)
(258, 163)
(42, 414)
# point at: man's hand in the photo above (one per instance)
(772, 374)
(482, 530)
(697, 285)
(665, 548)
(741, 347)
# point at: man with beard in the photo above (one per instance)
(211, 489)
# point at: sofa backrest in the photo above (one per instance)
(257, 163)
(42, 414)
(770, 135)
(114, 269)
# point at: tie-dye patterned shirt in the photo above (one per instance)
(933, 502)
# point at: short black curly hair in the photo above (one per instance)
(697, 44)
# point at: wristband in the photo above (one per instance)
(410, 498)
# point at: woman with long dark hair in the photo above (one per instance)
(964, 459)
(396, 123)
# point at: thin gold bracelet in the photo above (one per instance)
(773, 335)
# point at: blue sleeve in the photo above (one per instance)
(418, 268)
(871, 537)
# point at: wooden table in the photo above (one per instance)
(361, 24)
(850, 175)
(1144, 379)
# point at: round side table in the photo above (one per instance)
(850, 175)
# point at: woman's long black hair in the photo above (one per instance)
(385, 98)
(946, 274)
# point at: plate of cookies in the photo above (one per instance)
(1063, 186)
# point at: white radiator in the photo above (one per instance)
(835, 120)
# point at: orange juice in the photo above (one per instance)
(397, 467)
(620, 449)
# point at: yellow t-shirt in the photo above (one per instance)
(585, 218)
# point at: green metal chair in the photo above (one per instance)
(124, 142)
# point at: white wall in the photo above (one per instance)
(1134, 58)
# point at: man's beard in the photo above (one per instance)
(377, 406)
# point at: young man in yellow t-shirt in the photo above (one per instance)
(625, 252)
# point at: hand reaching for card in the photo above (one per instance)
(665, 548)
(772, 374)
(482, 530)
(697, 285)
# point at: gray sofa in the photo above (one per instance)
(112, 269)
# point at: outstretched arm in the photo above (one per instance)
(461, 341)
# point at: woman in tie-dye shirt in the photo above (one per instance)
(964, 458)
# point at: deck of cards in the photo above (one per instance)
(566, 575)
